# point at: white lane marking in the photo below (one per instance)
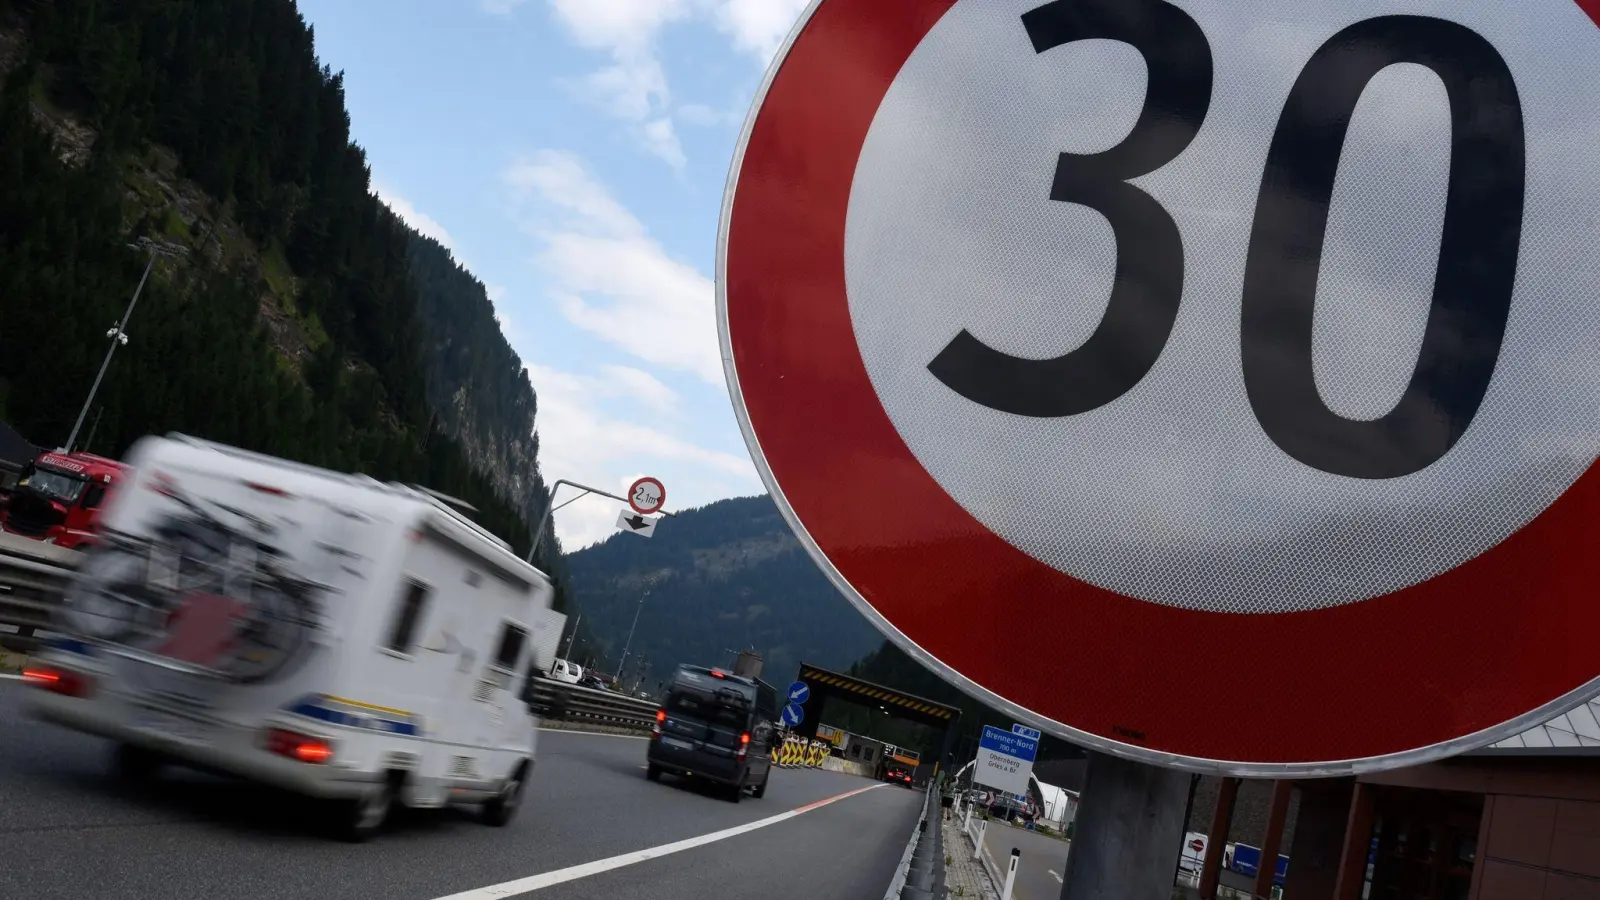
(1054, 875)
(631, 737)
(573, 873)
(7, 676)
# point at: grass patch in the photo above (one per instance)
(279, 279)
(173, 225)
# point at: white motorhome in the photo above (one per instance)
(324, 633)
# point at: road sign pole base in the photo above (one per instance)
(1128, 832)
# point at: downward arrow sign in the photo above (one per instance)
(643, 526)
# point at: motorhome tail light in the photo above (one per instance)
(718, 673)
(661, 717)
(299, 747)
(162, 484)
(744, 745)
(266, 489)
(56, 681)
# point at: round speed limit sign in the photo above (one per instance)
(1213, 383)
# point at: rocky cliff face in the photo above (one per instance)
(477, 386)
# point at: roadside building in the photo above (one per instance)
(1516, 821)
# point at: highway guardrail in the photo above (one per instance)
(33, 576)
(559, 700)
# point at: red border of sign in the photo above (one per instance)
(1321, 691)
(635, 486)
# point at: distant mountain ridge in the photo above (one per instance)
(724, 577)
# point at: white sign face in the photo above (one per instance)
(632, 522)
(1186, 486)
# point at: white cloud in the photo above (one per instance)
(700, 114)
(758, 26)
(634, 86)
(422, 223)
(609, 277)
(581, 441)
(642, 386)
(661, 139)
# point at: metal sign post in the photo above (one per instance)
(551, 507)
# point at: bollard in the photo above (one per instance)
(1011, 874)
(967, 822)
(977, 845)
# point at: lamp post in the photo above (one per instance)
(629, 642)
(119, 333)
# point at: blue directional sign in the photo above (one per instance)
(793, 714)
(799, 692)
(1005, 759)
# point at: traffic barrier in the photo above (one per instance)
(33, 578)
(558, 700)
(920, 875)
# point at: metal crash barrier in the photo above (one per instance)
(33, 578)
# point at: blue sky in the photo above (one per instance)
(572, 154)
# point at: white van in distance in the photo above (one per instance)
(324, 633)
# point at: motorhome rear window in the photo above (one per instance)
(407, 617)
(512, 637)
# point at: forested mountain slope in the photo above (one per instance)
(724, 577)
(291, 322)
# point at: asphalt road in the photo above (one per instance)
(68, 831)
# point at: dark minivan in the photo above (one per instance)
(716, 726)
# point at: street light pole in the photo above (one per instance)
(573, 637)
(119, 334)
(117, 337)
(629, 642)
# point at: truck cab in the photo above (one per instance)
(59, 496)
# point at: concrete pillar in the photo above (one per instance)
(1281, 792)
(1129, 832)
(1318, 838)
(1357, 843)
(1217, 838)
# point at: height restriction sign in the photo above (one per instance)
(1100, 350)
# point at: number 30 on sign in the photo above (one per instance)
(1184, 325)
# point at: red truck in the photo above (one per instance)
(59, 496)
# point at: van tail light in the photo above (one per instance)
(299, 747)
(57, 681)
(655, 730)
(744, 745)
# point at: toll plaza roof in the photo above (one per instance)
(15, 449)
(902, 704)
